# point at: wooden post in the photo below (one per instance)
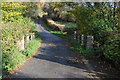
(89, 42)
(82, 39)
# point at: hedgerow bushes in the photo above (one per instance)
(15, 30)
(14, 10)
(111, 49)
(101, 21)
(16, 25)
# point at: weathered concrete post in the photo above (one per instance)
(89, 42)
(33, 35)
(20, 44)
(27, 38)
(82, 39)
(30, 37)
(78, 37)
(75, 35)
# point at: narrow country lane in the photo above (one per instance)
(51, 60)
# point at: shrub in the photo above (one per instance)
(12, 60)
(17, 23)
(101, 21)
(101, 30)
(111, 49)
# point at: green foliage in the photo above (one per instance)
(101, 21)
(101, 30)
(69, 27)
(16, 23)
(83, 19)
(96, 20)
(14, 58)
(58, 10)
(15, 30)
(68, 24)
(1, 66)
(11, 60)
(12, 11)
(111, 49)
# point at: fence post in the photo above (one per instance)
(27, 38)
(20, 44)
(75, 35)
(82, 39)
(30, 36)
(33, 35)
(89, 42)
(22, 41)
(78, 37)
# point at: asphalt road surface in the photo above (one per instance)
(52, 60)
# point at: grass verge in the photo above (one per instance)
(67, 24)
